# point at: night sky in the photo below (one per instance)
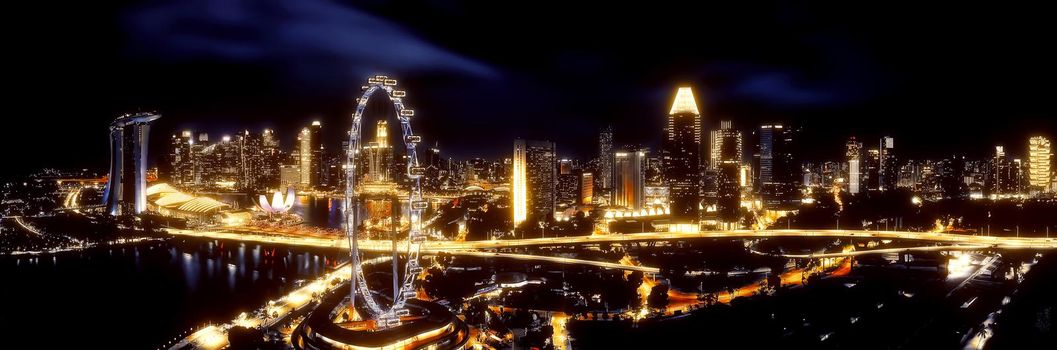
(939, 78)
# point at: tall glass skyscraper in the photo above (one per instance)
(310, 144)
(682, 157)
(628, 179)
(853, 152)
(605, 153)
(534, 176)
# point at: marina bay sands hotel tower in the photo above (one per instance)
(127, 182)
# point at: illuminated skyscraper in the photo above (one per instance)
(436, 169)
(377, 156)
(889, 168)
(682, 157)
(723, 183)
(200, 163)
(250, 161)
(779, 169)
(587, 187)
(1000, 179)
(853, 153)
(534, 176)
(567, 188)
(304, 142)
(317, 153)
(766, 153)
(628, 179)
(870, 169)
(725, 146)
(1040, 162)
(271, 159)
(605, 152)
(127, 179)
(310, 147)
(289, 176)
(310, 154)
(181, 159)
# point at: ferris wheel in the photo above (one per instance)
(404, 288)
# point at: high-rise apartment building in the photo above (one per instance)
(1040, 162)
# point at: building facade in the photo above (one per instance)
(533, 182)
(853, 154)
(682, 158)
(1040, 162)
(628, 180)
(126, 186)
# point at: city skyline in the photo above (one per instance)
(320, 174)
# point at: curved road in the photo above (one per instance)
(953, 241)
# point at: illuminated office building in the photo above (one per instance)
(181, 159)
(870, 169)
(780, 173)
(587, 180)
(271, 159)
(377, 156)
(725, 146)
(1040, 162)
(567, 189)
(628, 179)
(534, 175)
(289, 176)
(723, 185)
(682, 157)
(310, 151)
(250, 161)
(310, 154)
(853, 153)
(653, 174)
(766, 152)
(888, 174)
(605, 151)
(202, 140)
(127, 180)
(1002, 176)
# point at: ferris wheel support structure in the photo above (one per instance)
(385, 317)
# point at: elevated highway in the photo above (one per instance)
(947, 241)
(449, 246)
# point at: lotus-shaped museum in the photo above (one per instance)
(278, 205)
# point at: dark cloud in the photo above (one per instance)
(309, 40)
(816, 69)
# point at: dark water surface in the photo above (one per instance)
(141, 297)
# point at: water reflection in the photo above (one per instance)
(316, 211)
(150, 292)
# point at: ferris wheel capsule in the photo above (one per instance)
(419, 205)
(416, 172)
